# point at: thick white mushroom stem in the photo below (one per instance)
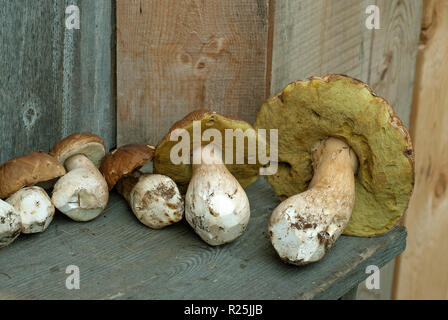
(34, 207)
(305, 226)
(154, 198)
(10, 224)
(81, 194)
(216, 206)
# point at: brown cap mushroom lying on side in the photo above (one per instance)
(216, 205)
(18, 178)
(348, 148)
(81, 194)
(154, 198)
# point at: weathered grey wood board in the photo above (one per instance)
(55, 81)
(120, 258)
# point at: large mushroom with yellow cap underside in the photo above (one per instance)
(212, 178)
(346, 165)
(246, 173)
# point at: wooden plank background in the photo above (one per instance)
(55, 81)
(175, 56)
(422, 269)
(225, 54)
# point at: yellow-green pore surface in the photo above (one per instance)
(338, 106)
(245, 173)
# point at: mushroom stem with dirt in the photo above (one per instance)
(82, 193)
(10, 224)
(346, 165)
(154, 199)
(19, 178)
(305, 226)
(216, 205)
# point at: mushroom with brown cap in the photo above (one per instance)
(82, 193)
(18, 178)
(154, 199)
(347, 146)
(216, 206)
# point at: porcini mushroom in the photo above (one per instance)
(18, 180)
(10, 224)
(154, 199)
(216, 205)
(82, 193)
(347, 146)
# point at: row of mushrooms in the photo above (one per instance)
(345, 166)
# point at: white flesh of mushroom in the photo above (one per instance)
(305, 226)
(216, 206)
(81, 194)
(156, 201)
(9, 224)
(34, 207)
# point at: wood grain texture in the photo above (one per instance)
(392, 62)
(422, 269)
(54, 81)
(120, 258)
(394, 53)
(313, 38)
(176, 56)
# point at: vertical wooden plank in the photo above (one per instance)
(313, 38)
(54, 81)
(394, 53)
(175, 56)
(319, 37)
(422, 269)
(392, 63)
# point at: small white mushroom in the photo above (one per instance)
(305, 226)
(81, 194)
(154, 199)
(34, 207)
(9, 224)
(216, 206)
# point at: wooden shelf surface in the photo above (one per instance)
(119, 258)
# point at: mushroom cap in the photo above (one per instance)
(28, 170)
(125, 160)
(245, 173)
(85, 143)
(309, 111)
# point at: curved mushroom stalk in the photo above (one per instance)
(10, 224)
(81, 194)
(216, 206)
(34, 207)
(154, 199)
(305, 226)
